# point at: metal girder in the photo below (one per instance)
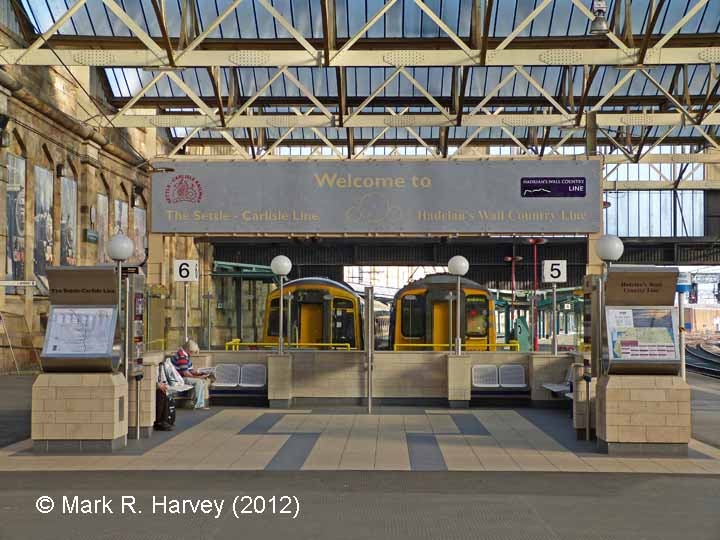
(369, 120)
(181, 102)
(611, 159)
(106, 57)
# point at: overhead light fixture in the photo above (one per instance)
(165, 67)
(599, 25)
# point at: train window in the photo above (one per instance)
(274, 318)
(413, 316)
(476, 316)
(344, 322)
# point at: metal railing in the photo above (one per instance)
(473, 346)
(236, 344)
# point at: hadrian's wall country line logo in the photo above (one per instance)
(561, 187)
(183, 188)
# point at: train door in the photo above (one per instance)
(311, 322)
(441, 331)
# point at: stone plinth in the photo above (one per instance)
(459, 383)
(643, 414)
(79, 412)
(280, 376)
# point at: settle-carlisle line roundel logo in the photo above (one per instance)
(183, 188)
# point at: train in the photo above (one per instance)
(422, 317)
(322, 314)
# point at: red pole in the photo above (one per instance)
(536, 343)
(512, 281)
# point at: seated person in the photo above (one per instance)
(199, 381)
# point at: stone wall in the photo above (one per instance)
(643, 409)
(46, 107)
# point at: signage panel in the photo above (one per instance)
(186, 270)
(642, 334)
(555, 271)
(377, 197)
(553, 187)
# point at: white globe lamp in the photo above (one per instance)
(281, 266)
(609, 248)
(458, 266)
(120, 248)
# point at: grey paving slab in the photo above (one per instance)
(15, 401)
(362, 505)
(292, 455)
(262, 424)
(468, 424)
(425, 453)
(556, 424)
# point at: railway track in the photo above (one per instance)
(701, 361)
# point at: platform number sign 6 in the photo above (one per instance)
(186, 270)
(555, 271)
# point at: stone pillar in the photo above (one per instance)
(280, 387)
(87, 196)
(79, 412)
(459, 383)
(643, 414)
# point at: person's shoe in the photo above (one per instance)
(163, 426)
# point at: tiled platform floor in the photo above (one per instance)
(437, 440)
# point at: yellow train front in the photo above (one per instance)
(422, 317)
(319, 314)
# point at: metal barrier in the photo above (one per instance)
(510, 346)
(235, 345)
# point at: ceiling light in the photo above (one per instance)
(599, 25)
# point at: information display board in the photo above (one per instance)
(80, 332)
(640, 334)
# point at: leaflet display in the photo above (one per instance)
(80, 332)
(642, 336)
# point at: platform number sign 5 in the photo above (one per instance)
(186, 270)
(555, 271)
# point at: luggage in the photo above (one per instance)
(171, 410)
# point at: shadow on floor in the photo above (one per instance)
(15, 402)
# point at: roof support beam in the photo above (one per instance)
(652, 22)
(378, 57)
(487, 119)
(486, 33)
(160, 16)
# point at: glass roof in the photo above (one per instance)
(250, 20)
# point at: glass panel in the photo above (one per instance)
(68, 221)
(413, 316)
(343, 322)
(274, 318)
(139, 224)
(121, 217)
(15, 207)
(43, 249)
(476, 316)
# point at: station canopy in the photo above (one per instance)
(351, 78)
